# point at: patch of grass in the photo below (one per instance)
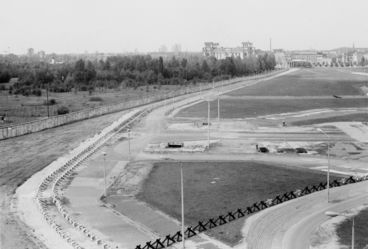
(96, 99)
(361, 230)
(308, 82)
(214, 188)
(358, 117)
(242, 108)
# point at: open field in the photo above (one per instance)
(213, 188)
(356, 117)
(308, 82)
(244, 108)
(361, 230)
(22, 109)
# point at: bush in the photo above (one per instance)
(51, 102)
(37, 92)
(96, 99)
(62, 110)
(4, 77)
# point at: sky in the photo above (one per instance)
(77, 26)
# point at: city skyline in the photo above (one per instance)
(144, 26)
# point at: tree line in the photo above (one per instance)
(128, 71)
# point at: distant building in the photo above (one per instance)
(307, 56)
(212, 49)
(280, 57)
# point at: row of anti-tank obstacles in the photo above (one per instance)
(203, 226)
(60, 177)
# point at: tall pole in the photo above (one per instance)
(47, 100)
(129, 143)
(218, 107)
(328, 162)
(353, 234)
(182, 204)
(208, 123)
(104, 156)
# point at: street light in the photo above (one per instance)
(182, 203)
(218, 105)
(129, 143)
(104, 156)
(328, 160)
(334, 214)
(208, 121)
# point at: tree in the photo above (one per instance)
(160, 65)
(205, 68)
(184, 63)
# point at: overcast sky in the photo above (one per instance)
(144, 25)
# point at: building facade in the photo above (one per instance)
(212, 49)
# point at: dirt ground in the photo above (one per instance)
(23, 156)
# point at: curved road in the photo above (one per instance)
(291, 224)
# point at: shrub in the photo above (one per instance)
(62, 110)
(37, 92)
(51, 102)
(96, 99)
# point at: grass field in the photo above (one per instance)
(22, 109)
(308, 82)
(361, 231)
(214, 188)
(358, 117)
(243, 108)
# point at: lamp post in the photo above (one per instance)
(104, 156)
(129, 144)
(182, 204)
(334, 214)
(328, 161)
(208, 122)
(218, 106)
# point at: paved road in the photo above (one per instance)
(290, 225)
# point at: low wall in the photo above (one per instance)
(46, 123)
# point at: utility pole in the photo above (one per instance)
(47, 100)
(129, 143)
(218, 106)
(104, 156)
(270, 44)
(182, 204)
(328, 162)
(353, 234)
(208, 123)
